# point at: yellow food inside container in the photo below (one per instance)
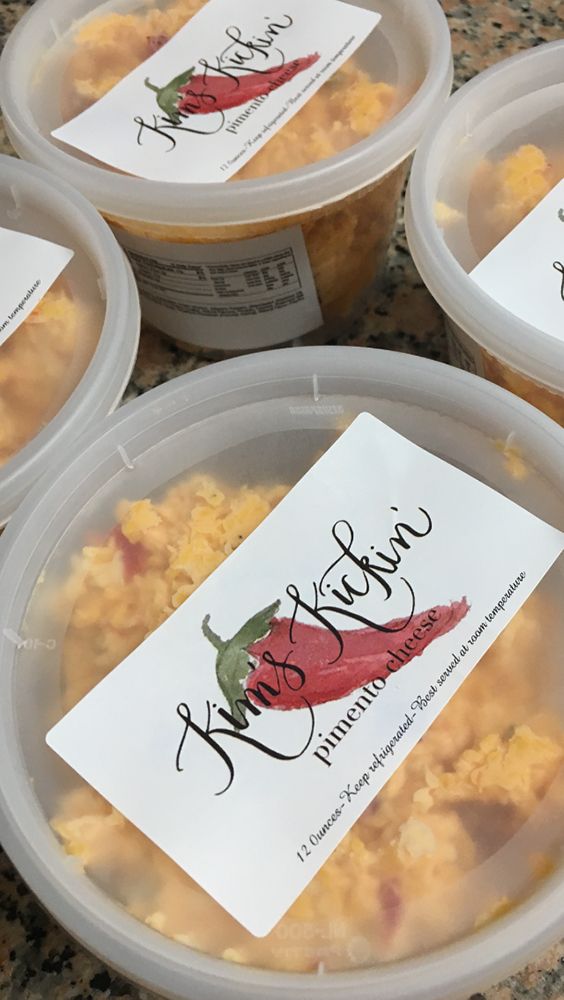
(346, 240)
(40, 365)
(415, 870)
(348, 108)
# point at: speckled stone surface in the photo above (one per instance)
(39, 961)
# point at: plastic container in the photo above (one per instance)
(344, 203)
(59, 375)
(494, 154)
(252, 425)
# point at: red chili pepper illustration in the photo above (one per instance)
(367, 654)
(133, 554)
(189, 94)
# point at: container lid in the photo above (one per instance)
(493, 155)
(408, 907)
(363, 122)
(67, 364)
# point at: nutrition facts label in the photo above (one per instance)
(251, 293)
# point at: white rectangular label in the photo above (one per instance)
(201, 107)
(252, 293)
(29, 267)
(525, 272)
(249, 732)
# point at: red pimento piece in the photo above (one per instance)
(156, 42)
(367, 654)
(391, 903)
(133, 554)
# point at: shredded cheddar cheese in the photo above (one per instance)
(518, 183)
(40, 365)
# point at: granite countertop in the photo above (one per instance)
(38, 960)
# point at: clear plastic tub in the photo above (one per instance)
(335, 170)
(487, 895)
(68, 364)
(496, 151)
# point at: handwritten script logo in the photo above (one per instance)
(196, 102)
(266, 664)
(558, 266)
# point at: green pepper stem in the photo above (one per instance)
(212, 636)
(151, 86)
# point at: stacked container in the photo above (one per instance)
(68, 364)
(75, 595)
(338, 182)
(496, 152)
